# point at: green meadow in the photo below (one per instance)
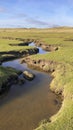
(63, 74)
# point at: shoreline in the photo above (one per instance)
(63, 72)
(44, 66)
(55, 69)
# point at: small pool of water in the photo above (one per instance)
(24, 106)
(41, 51)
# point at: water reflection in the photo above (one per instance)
(26, 105)
(41, 51)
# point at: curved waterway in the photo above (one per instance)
(24, 106)
(41, 51)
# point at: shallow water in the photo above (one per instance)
(23, 107)
(41, 51)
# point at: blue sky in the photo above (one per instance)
(36, 13)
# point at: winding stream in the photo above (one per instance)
(41, 51)
(23, 107)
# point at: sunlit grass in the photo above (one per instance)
(5, 45)
(63, 75)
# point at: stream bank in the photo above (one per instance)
(29, 103)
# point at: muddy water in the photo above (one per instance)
(23, 107)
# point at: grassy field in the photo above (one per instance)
(63, 74)
(10, 48)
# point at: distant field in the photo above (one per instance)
(63, 75)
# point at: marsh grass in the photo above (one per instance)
(63, 75)
(5, 73)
